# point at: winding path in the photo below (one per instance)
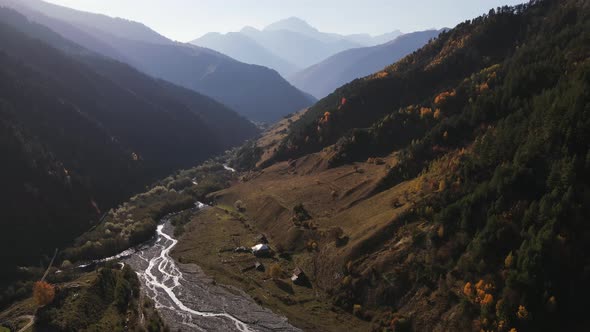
(31, 319)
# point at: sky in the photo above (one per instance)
(185, 20)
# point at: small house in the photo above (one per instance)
(261, 250)
(299, 277)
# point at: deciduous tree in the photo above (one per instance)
(43, 292)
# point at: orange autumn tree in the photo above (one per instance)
(437, 113)
(468, 289)
(425, 111)
(443, 96)
(483, 87)
(326, 118)
(342, 103)
(43, 292)
(480, 293)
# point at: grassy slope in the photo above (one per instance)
(209, 242)
(335, 198)
(492, 188)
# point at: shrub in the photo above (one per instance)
(275, 271)
(300, 213)
(240, 206)
(180, 184)
(66, 264)
(522, 313)
(346, 281)
(311, 245)
(442, 185)
(401, 324)
(357, 310)
(440, 232)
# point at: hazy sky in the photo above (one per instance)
(185, 20)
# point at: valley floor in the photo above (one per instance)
(337, 201)
(209, 243)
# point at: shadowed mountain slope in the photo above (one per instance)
(83, 132)
(235, 84)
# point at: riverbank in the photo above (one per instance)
(189, 300)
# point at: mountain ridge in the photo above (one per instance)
(195, 68)
(447, 191)
(324, 77)
(101, 131)
(279, 39)
(245, 49)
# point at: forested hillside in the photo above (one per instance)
(82, 133)
(449, 191)
(484, 135)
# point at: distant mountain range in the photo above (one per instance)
(323, 78)
(238, 85)
(288, 45)
(245, 49)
